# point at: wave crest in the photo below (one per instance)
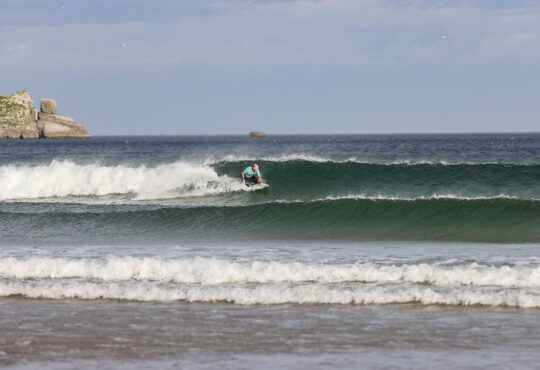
(264, 282)
(66, 178)
(217, 271)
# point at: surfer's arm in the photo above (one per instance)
(243, 178)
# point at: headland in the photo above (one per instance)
(20, 119)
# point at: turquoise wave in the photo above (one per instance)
(311, 180)
(497, 220)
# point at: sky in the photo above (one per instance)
(189, 67)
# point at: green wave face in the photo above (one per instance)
(491, 220)
(306, 200)
(312, 180)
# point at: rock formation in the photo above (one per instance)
(55, 126)
(257, 134)
(19, 119)
(48, 106)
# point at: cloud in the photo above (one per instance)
(86, 36)
(60, 12)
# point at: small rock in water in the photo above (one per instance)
(257, 134)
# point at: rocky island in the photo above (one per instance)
(19, 119)
(257, 134)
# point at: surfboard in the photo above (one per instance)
(254, 187)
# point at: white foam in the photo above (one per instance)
(273, 293)
(375, 197)
(65, 178)
(217, 271)
(263, 282)
(364, 196)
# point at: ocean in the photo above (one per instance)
(364, 251)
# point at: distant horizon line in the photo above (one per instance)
(337, 134)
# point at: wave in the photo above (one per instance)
(279, 158)
(307, 178)
(305, 157)
(306, 200)
(212, 271)
(498, 220)
(66, 178)
(273, 294)
(314, 179)
(268, 282)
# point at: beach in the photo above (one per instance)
(364, 251)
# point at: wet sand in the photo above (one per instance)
(57, 334)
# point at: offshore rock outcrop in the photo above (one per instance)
(19, 120)
(257, 134)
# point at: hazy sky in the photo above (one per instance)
(321, 66)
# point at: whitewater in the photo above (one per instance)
(62, 178)
(262, 282)
(216, 271)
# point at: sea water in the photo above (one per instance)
(372, 251)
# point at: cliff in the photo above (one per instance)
(18, 117)
(19, 120)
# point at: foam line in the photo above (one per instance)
(274, 293)
(217, 271)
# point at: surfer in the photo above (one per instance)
(251, 175)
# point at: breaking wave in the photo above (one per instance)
(260, 282)
(318, 179)
(66, 178)
(217, 271)
(308, 198)
(291, 177)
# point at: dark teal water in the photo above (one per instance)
(110, 190)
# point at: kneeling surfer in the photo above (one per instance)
(251, 175)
